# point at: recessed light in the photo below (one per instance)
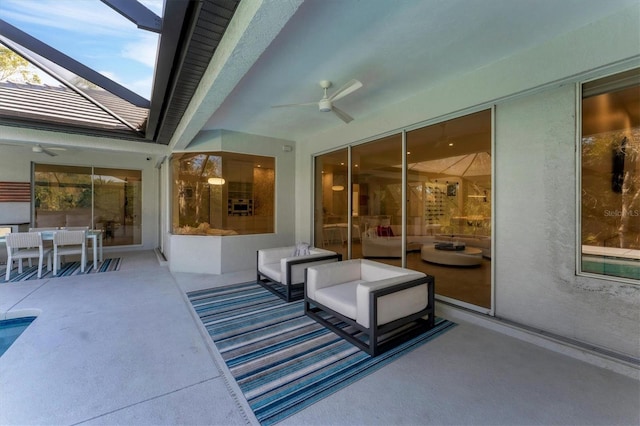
(450, 143)
(408, 152)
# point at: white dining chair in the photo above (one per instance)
(26, 245)
(48, 244)
(69, 242)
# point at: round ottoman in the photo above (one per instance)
(470, 256)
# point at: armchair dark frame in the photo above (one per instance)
(373, 347)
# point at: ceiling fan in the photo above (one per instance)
(326, 103)
(39, 149)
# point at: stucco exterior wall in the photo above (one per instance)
(535, 173)
(15, 166)
(535, 232)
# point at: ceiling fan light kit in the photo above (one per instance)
(326, 103)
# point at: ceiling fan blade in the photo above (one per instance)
(290, 105)
(342, 115)
(348, 88)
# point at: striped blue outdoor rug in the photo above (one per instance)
(66, 270)
(282, 360)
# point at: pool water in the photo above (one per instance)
(612, 267)
(10, 330)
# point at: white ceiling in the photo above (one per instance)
(394, 47)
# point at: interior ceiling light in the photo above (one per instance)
(337, 188)
(215, 181)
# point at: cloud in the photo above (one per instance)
(111, 76)
(153, 5)
(73, 16)
(142, 86)
(143, 50)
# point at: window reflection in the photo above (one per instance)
(610, 192)
(378, 198)
(99, 198)
(331, 201)
(448, 200)
(449, 204)
(219, 193)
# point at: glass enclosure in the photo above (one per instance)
(447, 198)
(610, 181)
(100, 198)
(222, 193)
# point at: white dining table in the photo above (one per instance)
(95, 235)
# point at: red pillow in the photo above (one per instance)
(385, 231)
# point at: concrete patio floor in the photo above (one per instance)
(125, 348)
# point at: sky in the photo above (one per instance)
(93, 34)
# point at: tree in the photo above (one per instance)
(611, 188)
(15, 68)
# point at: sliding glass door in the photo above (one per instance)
(377, 198)
(331, 201)
(447, 197)
(100, 198)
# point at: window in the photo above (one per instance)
(100, 198)
(610, 176)
(221, 193)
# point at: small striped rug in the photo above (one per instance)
(66, 270)
(282, 360)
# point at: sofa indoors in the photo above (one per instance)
(381, 239)
(384, 305)
(374, 245)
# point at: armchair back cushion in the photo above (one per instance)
(272, 262)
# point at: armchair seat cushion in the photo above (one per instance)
(341, 298)
(272, 270)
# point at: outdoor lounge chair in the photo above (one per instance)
(282, 273)
(382, 305)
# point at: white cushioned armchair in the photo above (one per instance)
(282, 273)
(384, 305)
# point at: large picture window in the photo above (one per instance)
(222, 193)
(610, 176)
(97, 197)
